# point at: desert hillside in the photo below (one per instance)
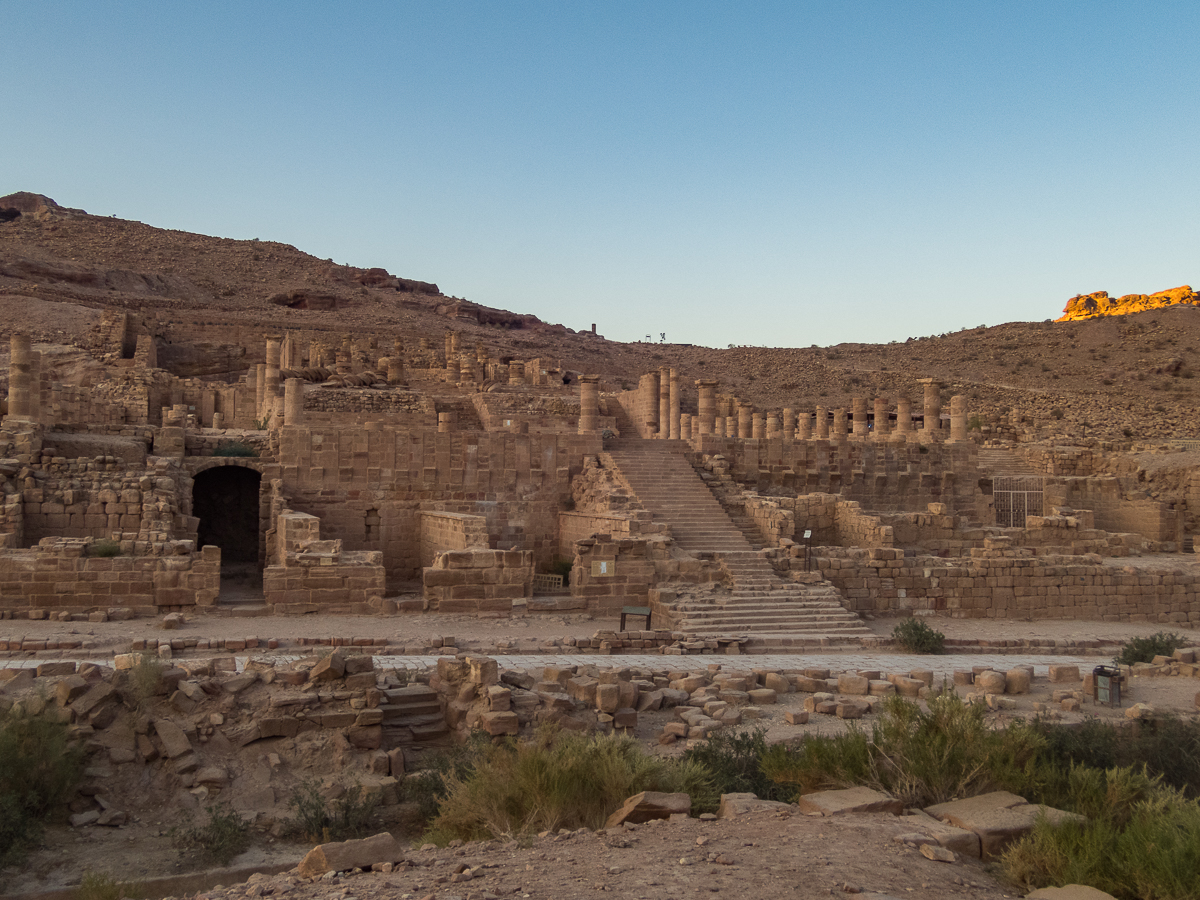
(1109, 370)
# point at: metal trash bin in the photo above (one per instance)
(1106, 686)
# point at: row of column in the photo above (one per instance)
(667, 422)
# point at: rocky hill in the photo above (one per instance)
(1088, 306)
(1111, 377)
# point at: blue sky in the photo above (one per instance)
(778, 174)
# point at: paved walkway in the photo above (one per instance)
(941, 666)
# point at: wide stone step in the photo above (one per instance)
(393, 713)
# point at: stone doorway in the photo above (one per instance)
(226, 501)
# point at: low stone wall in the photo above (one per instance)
(579, 526)
(1113, 512)
(443, 531)
(150, 578)
(999, 582)
(610, 573)
(478, 580)
(313, 575)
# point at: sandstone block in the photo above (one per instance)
(1070, 892)
(608, 698)
(762, 696)
(498, 723)
(650, 805)
(53, 669)
(796, 717)
(990, 682)
(365, 737)
(360, 854)
(1017, 681)
(849, 800)
(777, 683)
(328, 668)
(733, 805)
(1063, 674)
(853, 684)
(175, 742)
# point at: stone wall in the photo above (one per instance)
(882, 476)
(610, 573)
(578, 526)
(150, 577)
(478, 580)
(309, 574)
(1000, 582)
(369, 486)
(442, 531)
(1113, 510)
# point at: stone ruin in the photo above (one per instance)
(368, 475)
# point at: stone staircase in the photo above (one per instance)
(759, 602)
(660, 476)
(996, 461)
(413, 718)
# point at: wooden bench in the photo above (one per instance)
(635, 611)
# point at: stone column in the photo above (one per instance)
(395, 371)
(466, 369)
(20, 379)
(685, 426)
(745, 420)
(314, 354)
(293, 402)
(772, 426)
(274, 348)
(933, 409)
(838, 431)
(664, 402)
(758, 428)
(208, 407)
(708, 405)
(789, 423)
(260, 391)
(822, 424)
(904, 422)
(589, 403)
(446, 422)
(648, 402)
(880, 431)
(859, 406)
(804, 427)
(451, 355)
(218, 421)
(673, 410)
(958, 418)
(516, 372)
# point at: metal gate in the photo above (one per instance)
(1015, 497)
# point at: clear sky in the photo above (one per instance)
(778, 174)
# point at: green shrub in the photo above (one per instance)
(1168, 748)
(1144, 649)
(558, 780)
(105, 548)
(144, 679)
(234, 448)
(225, 835)
(915, 636)
(1155, 854)
(320, 820)
(734, 759)
(920, 757)
(102, 886)
(39, 768)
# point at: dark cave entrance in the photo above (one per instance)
(225, 500)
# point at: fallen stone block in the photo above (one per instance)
(849, 800)
(328, 668)
(175, 742)
(1063, 674)
(53, 669)
(346, 855)
(938, 854)
(998, 818)
(650, 805)
(733, 805)
(1070, 892)
(853, 684)
(498, 723)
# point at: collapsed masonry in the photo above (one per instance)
(347, 469)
